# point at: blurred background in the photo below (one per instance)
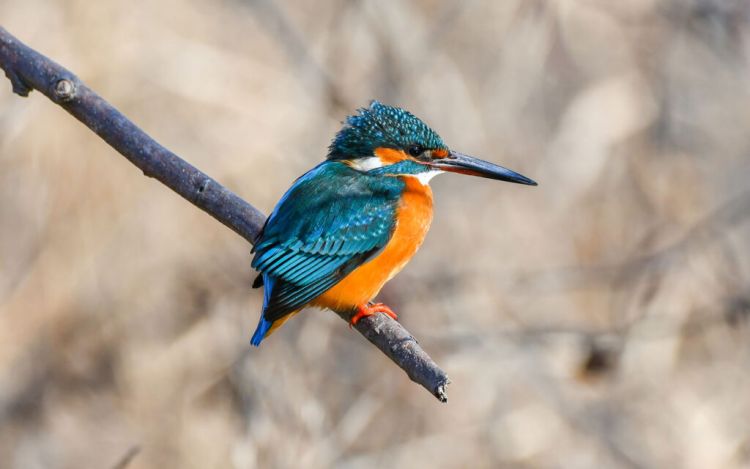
(598, 320)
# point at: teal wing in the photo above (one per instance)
(332, 220)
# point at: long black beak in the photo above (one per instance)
(464, 164)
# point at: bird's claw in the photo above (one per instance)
(369, 310)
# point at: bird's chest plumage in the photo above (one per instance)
(413, 218)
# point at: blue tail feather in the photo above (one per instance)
(263, 325)
(260, 332)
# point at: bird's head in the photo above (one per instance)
(391, 141)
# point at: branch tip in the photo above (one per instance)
(441, 392)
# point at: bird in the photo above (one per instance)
(351, 223)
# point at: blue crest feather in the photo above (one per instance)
(381, 126)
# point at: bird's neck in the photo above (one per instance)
(417, 195)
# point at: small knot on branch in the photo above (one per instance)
(64, 90)
(203, 186)
(402, 343)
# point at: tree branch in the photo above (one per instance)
(29, 70)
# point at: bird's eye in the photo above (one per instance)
(415, 150)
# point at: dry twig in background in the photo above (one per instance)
(29, 70)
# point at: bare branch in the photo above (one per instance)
(127, 458)
(29, 70)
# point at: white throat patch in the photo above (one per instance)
(373, 162)
(367, 163)
(424, 178)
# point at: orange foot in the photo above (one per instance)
(369, 310)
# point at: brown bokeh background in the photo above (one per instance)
(598, 320)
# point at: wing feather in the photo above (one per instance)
(332, 220)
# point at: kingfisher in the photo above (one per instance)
(350, 224)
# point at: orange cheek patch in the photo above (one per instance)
(390, 155)
(439, 153)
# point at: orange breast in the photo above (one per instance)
(414, 215)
